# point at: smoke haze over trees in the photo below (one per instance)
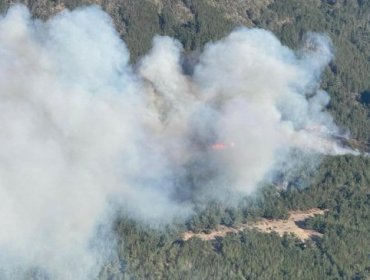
(89, 123)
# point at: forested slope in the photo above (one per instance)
(341, 184)
(195, 22)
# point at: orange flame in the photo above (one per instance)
(222, 146)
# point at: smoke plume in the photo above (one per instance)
(84, 133)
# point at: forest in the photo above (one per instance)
(340, 184)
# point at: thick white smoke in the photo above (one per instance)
(81, 131)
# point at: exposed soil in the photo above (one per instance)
(291, 225)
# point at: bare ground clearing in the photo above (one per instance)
(291, 225)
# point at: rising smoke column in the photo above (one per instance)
(62, 136)
(82, 134)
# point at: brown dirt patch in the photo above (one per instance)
(291, 225)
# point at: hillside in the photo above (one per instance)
(267, 235)
(196, 22)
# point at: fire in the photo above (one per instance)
(222, 146)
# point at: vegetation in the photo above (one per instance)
(341, 184)
(342, 253)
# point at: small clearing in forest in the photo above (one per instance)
(291, 225)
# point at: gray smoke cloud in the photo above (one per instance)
(83, 134)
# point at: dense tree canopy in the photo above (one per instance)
(341, 184)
